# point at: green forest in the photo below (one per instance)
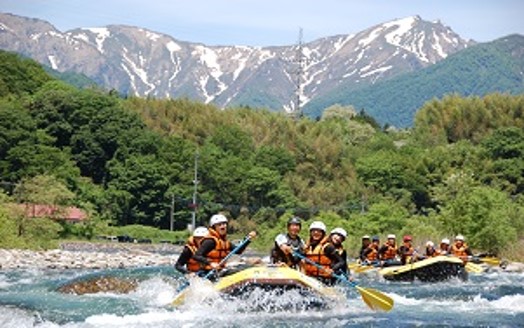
(478, 70)
(460, 169)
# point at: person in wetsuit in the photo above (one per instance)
(286, 244)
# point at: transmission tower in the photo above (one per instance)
(300, 61)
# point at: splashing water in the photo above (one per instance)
(29, 298)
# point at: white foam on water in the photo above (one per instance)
(149, 319)
(154, 292)
(478, 304)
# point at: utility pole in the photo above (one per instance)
(195, 183)
(172, 212)
(300, 60)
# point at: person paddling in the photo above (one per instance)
(286, 244)
(460, 249)
(366, 241)
(444, 247)
(406, 250)
(215, 246)
(322, 253)
(371, 253)
(388, 252)
(430, 250)
(337, 237)
(185, 263)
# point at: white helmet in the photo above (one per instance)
(317, 225)
(445, 241)
(200, 232)
(216, 219)
(392, 236)
(340, 231)
(459, 237)
(430, 244)
(363, 237)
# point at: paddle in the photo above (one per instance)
(374, 299)
(475, 268)
(493, 261)
(179, 298)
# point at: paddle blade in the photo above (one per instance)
(490, 260)
(375, 300)
(474, 268)
(179, 299)
(363, 268)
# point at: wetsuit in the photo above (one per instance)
(278, 256)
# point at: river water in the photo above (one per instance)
(28, 298)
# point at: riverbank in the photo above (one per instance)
(83, 255)
(86, 255)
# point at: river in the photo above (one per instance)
(28, 298)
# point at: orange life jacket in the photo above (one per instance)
(222, 248)
(192, 265)
(373, 255)
(317, 255)
(390, 253)
(460, 251)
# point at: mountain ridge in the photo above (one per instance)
(496, 66)
(137, 61)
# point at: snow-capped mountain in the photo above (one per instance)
(144, 63)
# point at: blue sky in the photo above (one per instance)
(273, 22)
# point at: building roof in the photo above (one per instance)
(69, 213)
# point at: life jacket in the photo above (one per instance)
(435, 253)
(222, 248)
(460, 251)
(373, 254)
(390, 253)
(192, 265)
(406, 253)
(442, 251)
(317, 254)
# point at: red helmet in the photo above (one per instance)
(407, 238)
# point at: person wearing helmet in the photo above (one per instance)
(287, 243)
(215, 246)
(337, 237)
(460, 249)
(406, 250)
(444, 247)
(430, 250)
(388, 252)
(185, 262)
(320, 251)
(371, 253)
(366, 241)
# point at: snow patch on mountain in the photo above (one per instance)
(403, 26)
(138, 71)
(102, 33)
(52, 61)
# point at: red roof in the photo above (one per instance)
(69, 213)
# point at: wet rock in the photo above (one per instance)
(100, 285)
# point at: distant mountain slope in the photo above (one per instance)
(136, 61)
(496, 66)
